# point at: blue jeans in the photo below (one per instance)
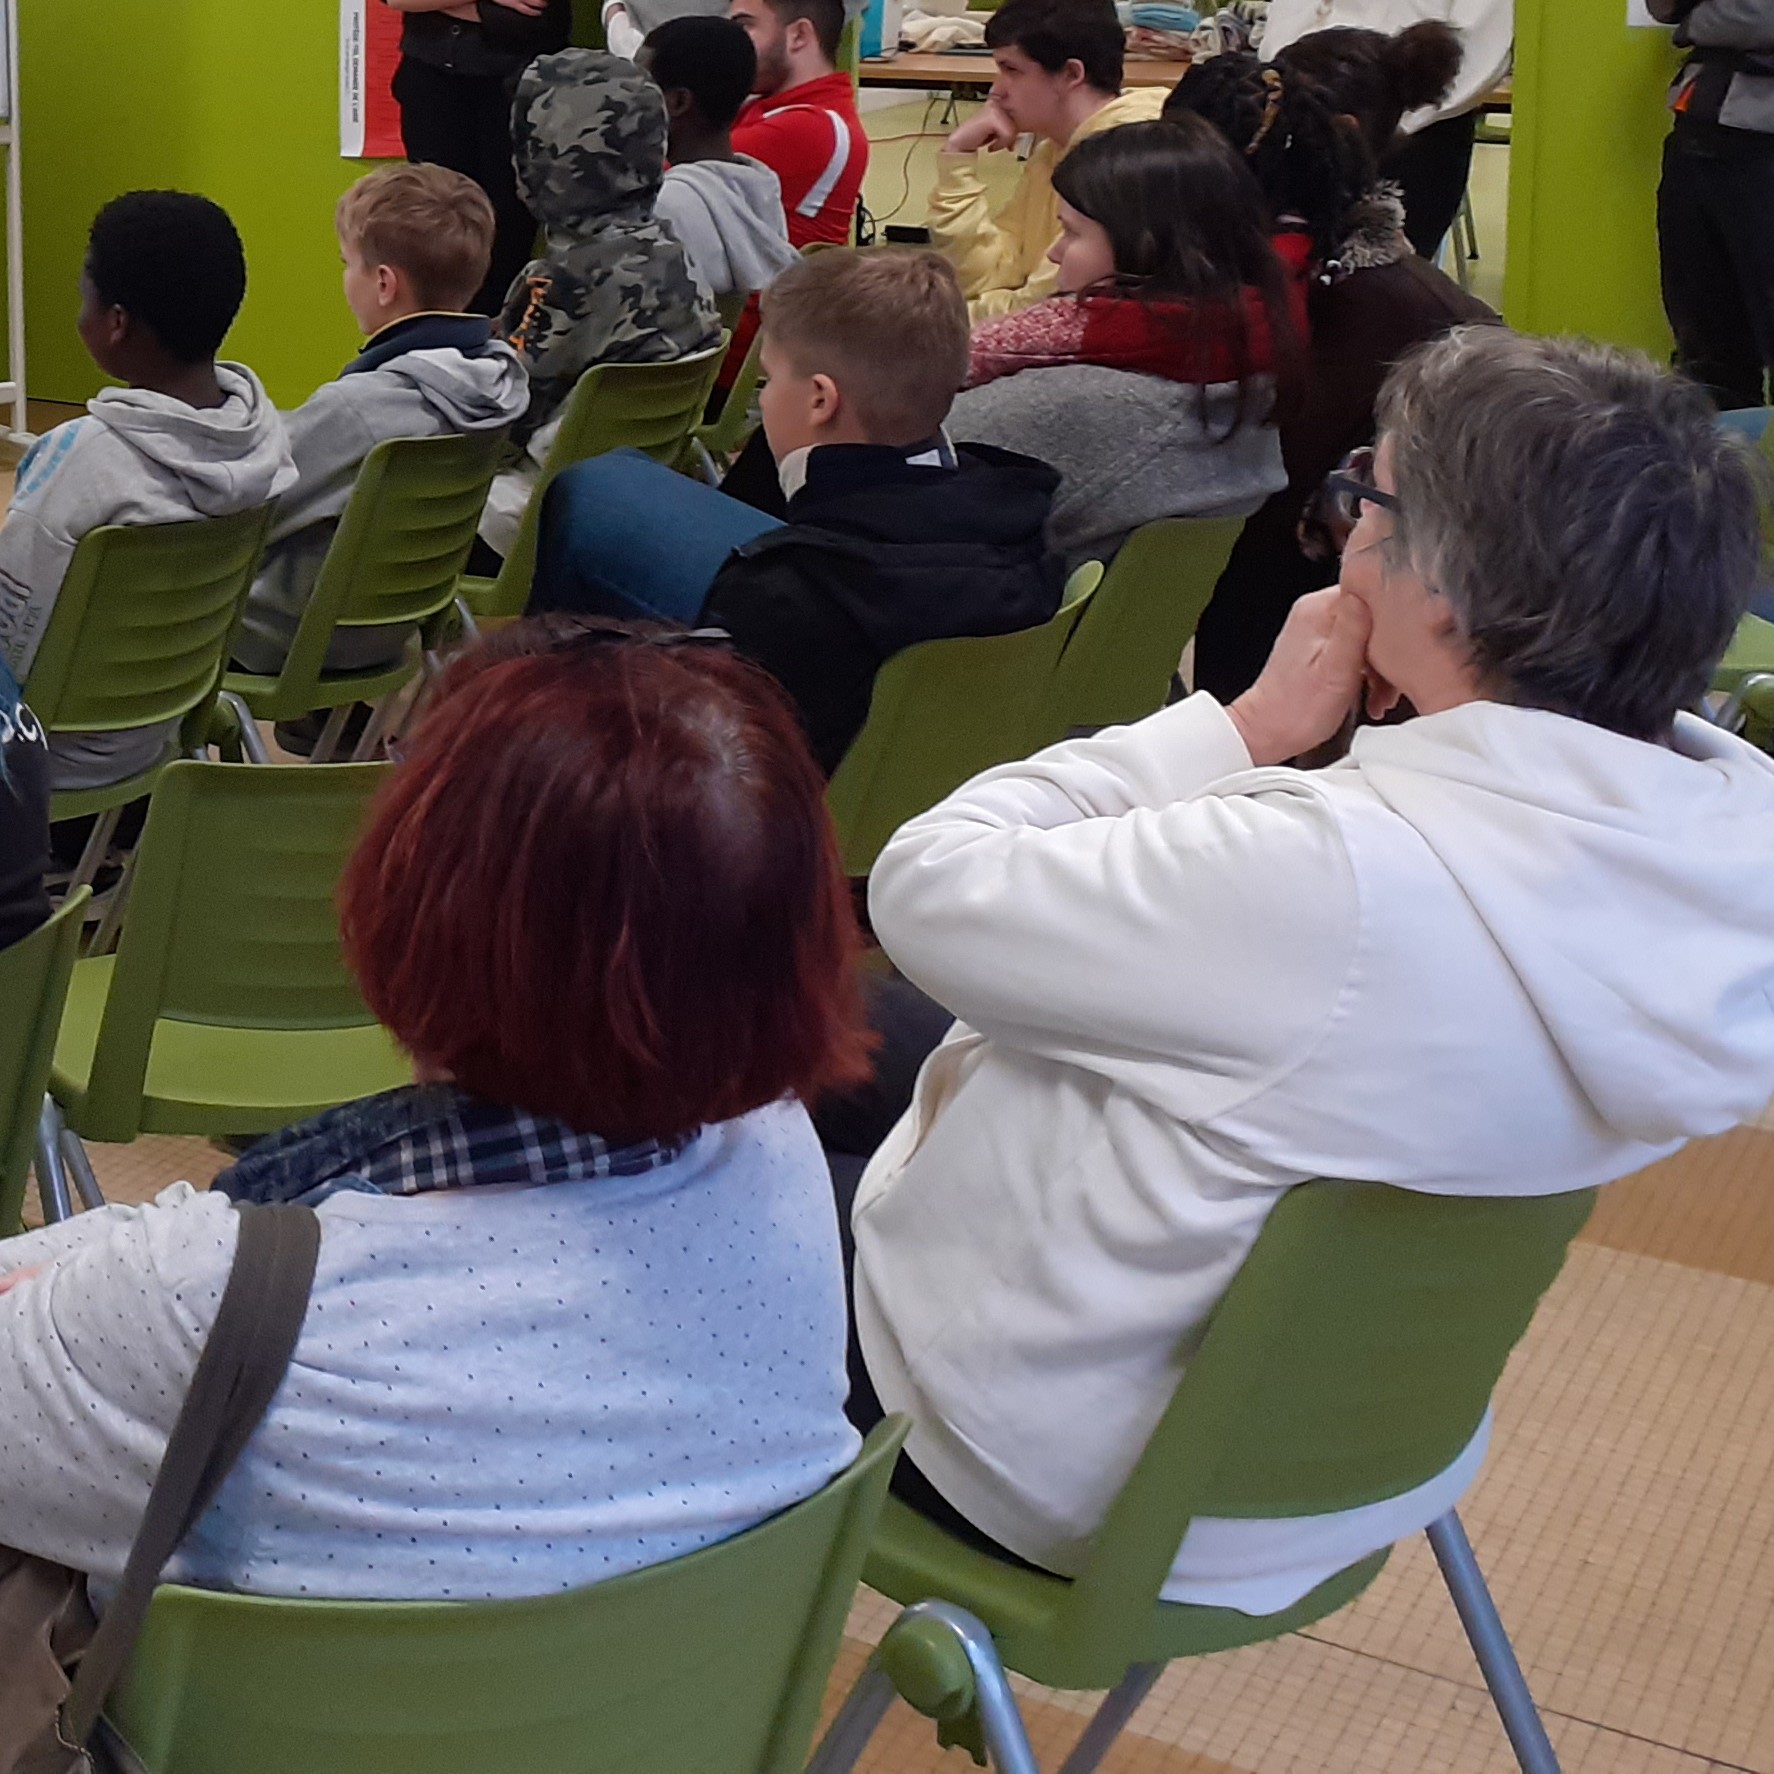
(623, 536)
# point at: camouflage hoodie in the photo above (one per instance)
(589, 136)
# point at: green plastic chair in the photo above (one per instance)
(940, 713)
(651, 407)
(227, 1008)
(1351, 1360)
(139, 638)
(711, 1664)
(34, 973)
(395, 559)
(727, 434)
(1121, 659)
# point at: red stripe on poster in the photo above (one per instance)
(382, 140)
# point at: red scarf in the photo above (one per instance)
(1191, 342)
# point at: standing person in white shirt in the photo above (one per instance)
(1519, 944)
(1434, 160)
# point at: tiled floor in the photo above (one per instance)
(1626, 1520)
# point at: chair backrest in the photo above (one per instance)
(941, 712)
(34, 974)
(231, 920)
(711, 1664)
(141, 625)
(650, 407)
(1119, 663)
(400, 546)
(1352, 1359)
(727, 435)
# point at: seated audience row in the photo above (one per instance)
(893, 534)
(580, 1299)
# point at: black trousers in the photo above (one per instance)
(1715, 238)
(1433, 167)
(463, 121)
(909, 1026)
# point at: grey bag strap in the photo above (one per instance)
(242, 1365)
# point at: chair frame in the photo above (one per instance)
(56, 675)
(1108, 1628)
(586, 431)
(303, 683)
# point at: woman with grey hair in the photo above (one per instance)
(1518, 944)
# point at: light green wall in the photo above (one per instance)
(1589, 127)
(237, 99)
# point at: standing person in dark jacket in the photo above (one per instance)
(894, 535)
(459, 63)
(1715, 207)
(1371, 302)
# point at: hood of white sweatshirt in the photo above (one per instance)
(227, 457)
(478, 392)
(737, 205)
(1571, 842)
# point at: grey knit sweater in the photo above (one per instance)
(1130, 449)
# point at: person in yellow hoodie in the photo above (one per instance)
(1059, 79)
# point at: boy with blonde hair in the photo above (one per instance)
(416, 241)
(894, 535)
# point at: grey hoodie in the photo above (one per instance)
(418, 393)
(1130, 449)
(728, 214)
(135, 458)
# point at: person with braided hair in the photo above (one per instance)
(1414, 73)
(1371, 301)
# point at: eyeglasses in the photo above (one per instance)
(1352, 486)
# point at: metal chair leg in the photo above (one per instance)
(98, 844)
(365, 748)
(1491, 1646)
(104, 939)
(857, 1721)
(86, 1184)
(327, 746)
(1111, 1717)
(251, 741)
(52, 1176)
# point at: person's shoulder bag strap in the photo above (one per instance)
(242, 1365)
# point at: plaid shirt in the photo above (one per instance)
(425, 1137)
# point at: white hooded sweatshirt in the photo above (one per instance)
(135, 458)
(728, 215)
(419, 393)
(1494, 952)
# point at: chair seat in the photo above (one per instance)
(79, 803)
(208, 1079)
(1751, 653)
(914, 1560)
(477, 592)
(332, 689)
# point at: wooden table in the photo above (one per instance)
(962, 72)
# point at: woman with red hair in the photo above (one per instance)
(580, 1304)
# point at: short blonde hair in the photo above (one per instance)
(888, 326)
(432, 224)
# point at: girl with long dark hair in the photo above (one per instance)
(1151, 381)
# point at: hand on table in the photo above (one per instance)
(1313, 679)
(990, 127)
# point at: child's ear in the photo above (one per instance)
(389, 285)
(825, 400)
(678, 102)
